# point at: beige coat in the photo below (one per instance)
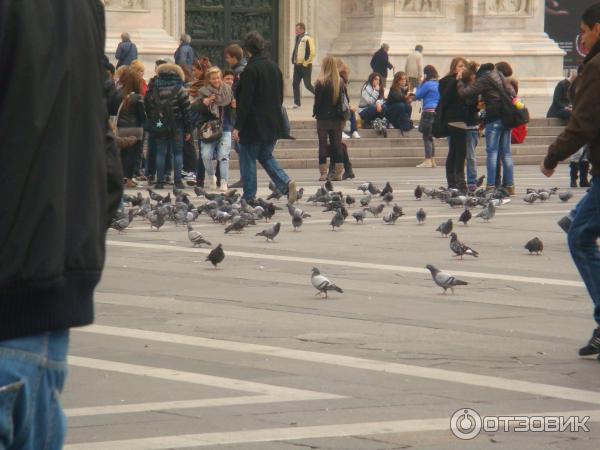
(414, 65)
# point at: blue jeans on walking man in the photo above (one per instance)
(583, 242)
(32, 376)
(263, 153)
(175, 145)
(497, 140)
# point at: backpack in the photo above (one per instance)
(162, 120)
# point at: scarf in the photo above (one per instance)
(223, 97)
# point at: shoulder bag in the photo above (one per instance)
(512, 117)
(129, 132)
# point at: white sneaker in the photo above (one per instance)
(223, 187)
(345, 136)
(189, 176)
(355, 135)
(294, 106)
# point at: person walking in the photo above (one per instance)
(302, 59)
(429, 94)
(126, 51)
(330, 96)
(131, 119)
(398, 106)
(414, 67)
(490, 84)
(259, 122)
(215, 106)
(380, 63)
(168, 109)
(54, 228)
(582, 129)
(184, 55)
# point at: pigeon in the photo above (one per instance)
(444, 280)
(386, 190)
(488, 212)
(293, 211)
(388, 197)
(297, 221)
(359, 216)
(535, 245)
(418, 192)
(391, 217)
(446, 227)
(299, 194)
(364, 187)
(121, 224)
(270, 233)
(544, 195)
(480, 180)
(275, 195)
(196, 237)
(322, 284)
(154, 196)
(421, 216)
(374, 190)
(459, 248)
(237, 225)
(156, 219)
(565, 196)
(531, 197)
(375, 210)
(329, 186)
(350, 200)
(397, 210)
(337, 220)
(364, 202)
(216, 255)
(465, 216)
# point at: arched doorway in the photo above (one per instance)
(215, 24)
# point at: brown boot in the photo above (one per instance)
(339, 168)
(510, 190)
(323, 172)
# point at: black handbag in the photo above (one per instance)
(211, 130)
(512, 117)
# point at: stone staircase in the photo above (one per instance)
(373, 150)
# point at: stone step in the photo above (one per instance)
(311, 133)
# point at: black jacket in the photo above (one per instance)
(380, 62)
(561, 99)
(397, 96)
(488, 85)
(169, 84)
(453, 106)
(57, 164)
(324, 108)
(259, 97)
(134, 115)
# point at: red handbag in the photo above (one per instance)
(518, 134)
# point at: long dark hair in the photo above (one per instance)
(131, 82)
(369, 82)
(430, 73)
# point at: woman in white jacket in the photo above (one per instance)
(371, 104)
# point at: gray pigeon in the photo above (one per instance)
(271, 232)
(535, 245)
(388, 197)
(196, 237)
(544, 195)
(359, 216)
(365, 201)
(121, 224)
(421, 216)
(156, 219)
(238, 225)
(488, 212)
(465, 216)
(444, 280)
(565, 196)
(376, 210)
(374, 190)
(297, 221)
(322, 284)
(350, 200)
(216, 256)
(460, 249)
(446, 227)
(337, 221)
(531, 197)
(387, 189)
(418, 192)
(391, 217)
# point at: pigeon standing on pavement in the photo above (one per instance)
(216, 256)
(391, 217)
(446, 227)
(373, 189)
(460, 249)
(322, 284)
(444, 280)
(350, 200)
(196, 237)
(465, 216)
(418, 192)
(337, 221)
(535, 245)
(271, 232)
(121, 224)
(387, 189)
(376, 210)
(365, 201)
(297, 221)
(488, 212)
(421, 216)
(531, 197)
(565, 196)
(359, 216)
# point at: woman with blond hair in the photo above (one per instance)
(330, 98)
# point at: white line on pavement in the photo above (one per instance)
(295, 433)
(355, 264)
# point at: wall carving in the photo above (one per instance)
(125, 4)
(361, 8)
(508, 7)
(427, 8)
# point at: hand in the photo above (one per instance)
(207, 101)
(353, 109)
(378, 107)
(188, 136)
(546, 172)
(236, 135)
(233, 104)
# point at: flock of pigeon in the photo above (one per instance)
(236, 214)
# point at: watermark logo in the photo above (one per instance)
(467, 424)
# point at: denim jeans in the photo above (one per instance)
(263, 153)
(151, 158)
(175, 144)
(221, 149)
(497, 141)
(353, 126)
(369, 114)
(583, 242)
(472, 138)
(32, 376)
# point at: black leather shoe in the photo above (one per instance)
(593, 346)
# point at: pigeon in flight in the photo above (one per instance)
(216, 256)
(459, 248)
(535, 245)
(196, 237)
(421, 216)
(446, 227)
(271, 232)
(465, 216)
(444, 280)
(322, 284)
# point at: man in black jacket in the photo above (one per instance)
(61, 184)
(380, 63)
(260, 123)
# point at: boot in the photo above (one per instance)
(338, 169)
(510, 190)
(348, 172)
(323, 172)
(574, 172)
(584, 168)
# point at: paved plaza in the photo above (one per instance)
(246, 357)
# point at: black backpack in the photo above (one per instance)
(162, 120)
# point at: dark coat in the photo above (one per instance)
(184, 55)
(561, 99)
(324, 108)
(60, 175)
(488, 85)
(380, 62)
(126, 53)
(134, 115)
(259, 97)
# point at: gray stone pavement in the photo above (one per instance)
(247, 358)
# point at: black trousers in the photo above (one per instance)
(334, 134)
(129, 159)
(190, 159)
(302, 73)
(455, 162)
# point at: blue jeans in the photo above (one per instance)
(263, 153)
(221, 149)
(369, 114)
(151, 158)
(175, 144)
(472, 138)
(32, 377)
(497, 141)
(583, 242)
